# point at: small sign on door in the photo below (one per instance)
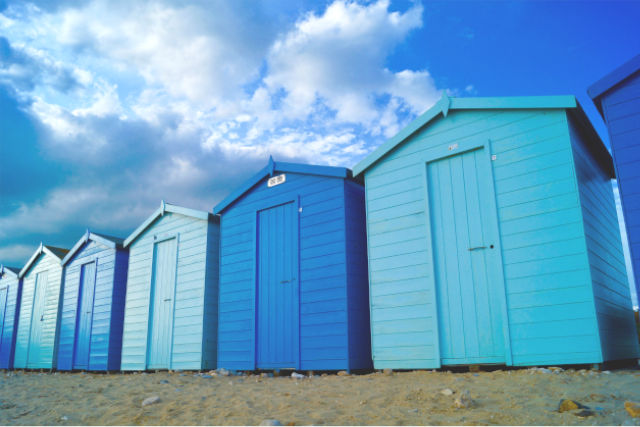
(276, 180)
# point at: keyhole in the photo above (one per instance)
(491, 246)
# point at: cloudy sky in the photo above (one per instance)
(107, 107)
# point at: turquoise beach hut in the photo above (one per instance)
(37, 337)
(617, 96)
(493, 239)
(293, 271)
(171, 304)
(93, 304)
(10, 293)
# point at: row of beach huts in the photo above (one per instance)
(485, 232)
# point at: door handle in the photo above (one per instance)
(42, 318)
(167, 299)
(477, 247)
(284, 281)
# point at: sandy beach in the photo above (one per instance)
(523, 396)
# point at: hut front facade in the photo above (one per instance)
(293, 273)
(171, 304)
(10, 293)
(37, 336)
(93, 304)
(493, 239)
(617, 96)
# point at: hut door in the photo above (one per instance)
(277, 287)
(3, 310)
(37, 319)
(85, 316)
(466, 261)
(162, 294)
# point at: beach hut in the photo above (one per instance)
(10, 292)
(493, 239)
(171, 304)
(293, 271)
(95, 279)
(617, 96)
(37, 336)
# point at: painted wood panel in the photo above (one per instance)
(539, 216)
(333, 317)
(194, 281)
(621, 111)
(36, 341)
(608, 271)
(10, 290)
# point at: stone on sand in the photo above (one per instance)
(570, 405)
(632, 408)
(270, 423)
(151, 400)
(387, 371)
(446, 392)
(343, 374)
(464, 400)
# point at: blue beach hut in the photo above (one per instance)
(93, 304)
(617, 96)
(493, 239)
(171, 304)
(10, 293)
(37, 336)
(293, 272)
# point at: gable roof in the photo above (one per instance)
(273, 167)
(446, 104)
(58, 253)
(613, 79)
(166, 207)
(111, 242)
(10, 271)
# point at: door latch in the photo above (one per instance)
(477, 247)
(167, 299)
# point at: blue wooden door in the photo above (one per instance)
(466, 259)
(84, 320)
(37, 320)
(162, 302)
(277, 288)
(4, 292)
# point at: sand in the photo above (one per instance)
(501, 397)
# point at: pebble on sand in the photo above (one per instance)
(270, 423)
(151, 400)
(464, 400)
(297, 375)
(387, 371)
(343, 374)
(446, 392)
(570, 405)
(632, 408)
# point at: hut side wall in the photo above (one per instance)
(550, 305)
(117, 309)
(210, 341)
(190, 293)
(47, 347)
(357, 277)
(621, 107)
(12, 311)
(323, 273)
(608, 270)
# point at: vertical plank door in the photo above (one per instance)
(84, 316)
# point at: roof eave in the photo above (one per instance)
(613, 79)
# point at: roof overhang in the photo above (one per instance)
(613, 79)
(41, 249)
(446, 104)
(9, 271)
(88, 235)
(164, 208)
(273, 168)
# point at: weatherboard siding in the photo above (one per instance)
(544, 255)
(188, 328)
(210, 337)
(621, 108)
(323, 281)
(106, 326)
(608, 271)
(47, 344)
(12, 310)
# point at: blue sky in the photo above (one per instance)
(107, 107)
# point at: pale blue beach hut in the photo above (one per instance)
(10, 293)
(171, 304)
(37, 337)
(93, 304)
(493, 239)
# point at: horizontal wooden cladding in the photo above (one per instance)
(47, 345)
(191, 307)
(323, 267)
(9, 319)
(610, 286)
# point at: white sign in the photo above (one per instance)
(276, 180)
(453, 147)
